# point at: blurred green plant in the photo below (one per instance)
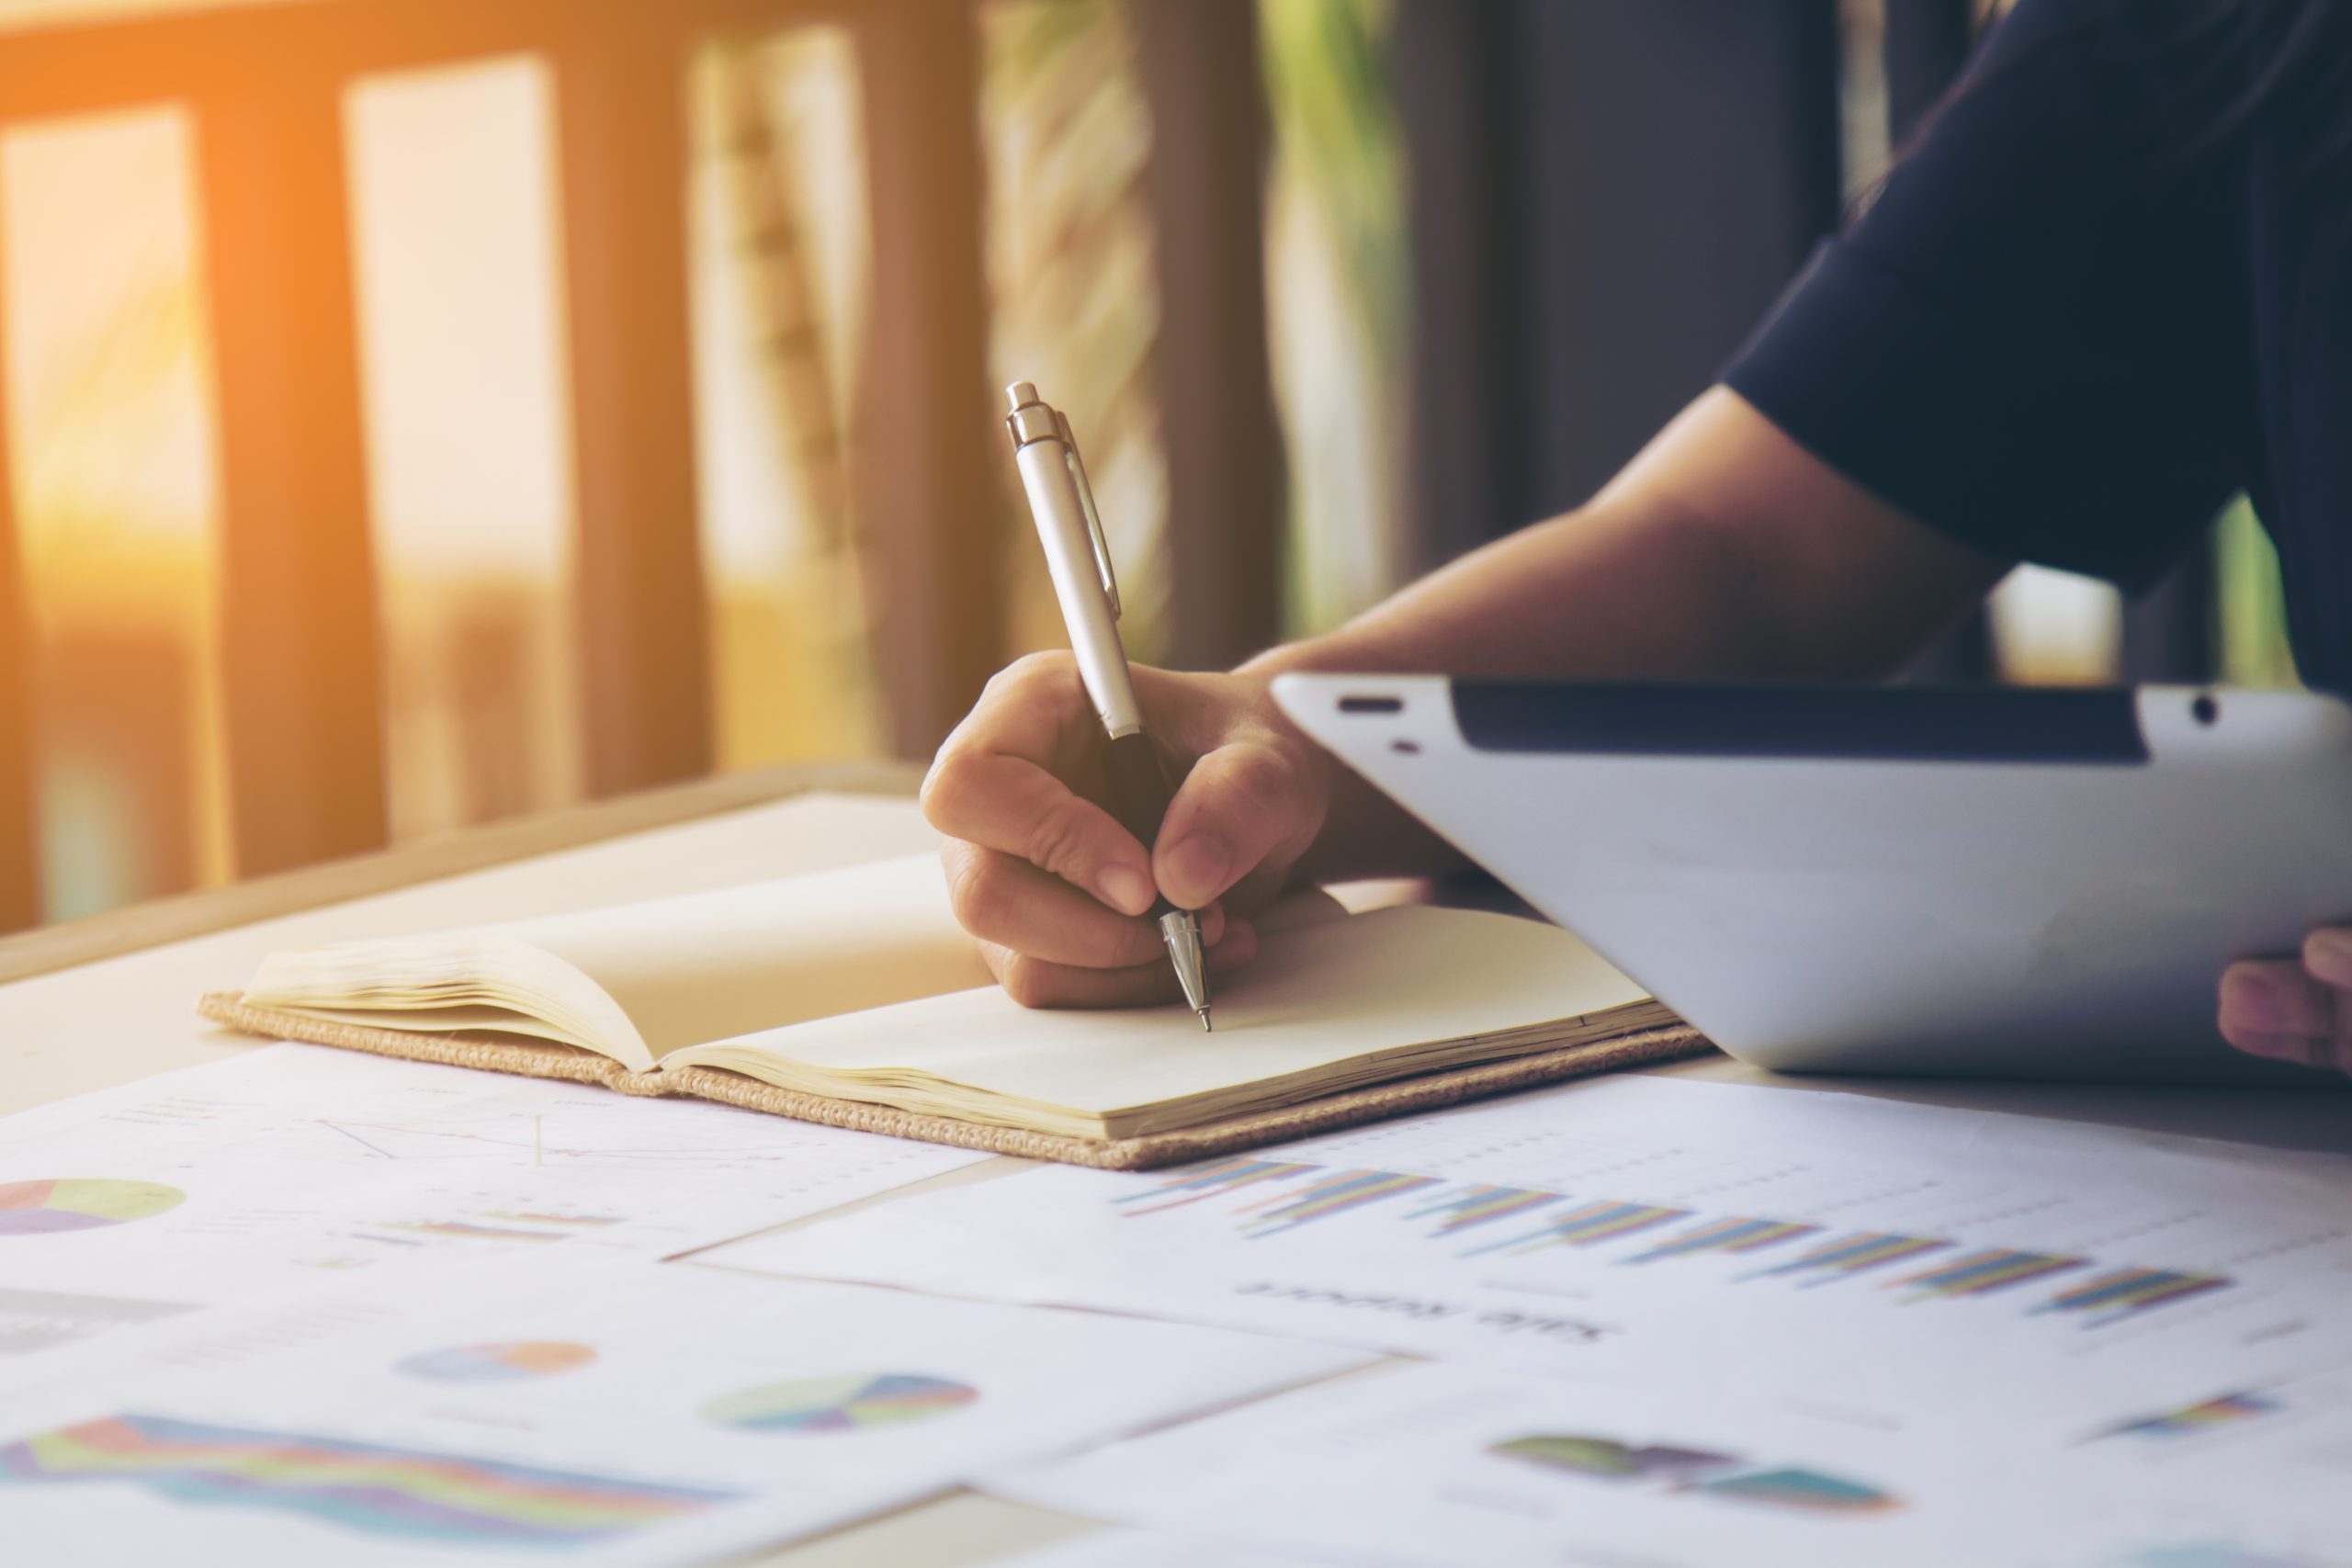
(1332, 103)
(780, 237)
(1074, 293)
(1339, 281)
(2250, 603)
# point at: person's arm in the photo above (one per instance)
(1724, 549)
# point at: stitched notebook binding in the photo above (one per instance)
(529, 1059)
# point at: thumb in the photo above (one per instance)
(1241, 803)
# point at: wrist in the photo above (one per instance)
(1362, 832)
(1334, 650)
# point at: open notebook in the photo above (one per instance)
(856, 986)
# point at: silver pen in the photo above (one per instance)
(1079, 557)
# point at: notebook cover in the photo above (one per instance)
(529, 1059)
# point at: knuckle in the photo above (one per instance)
(1127, 945)
(1260, 780)
(1004, 680)
(955, 793)
(1027, 982)
(1031, 673)
(978, 893)
(1058, 841)
(946, 782)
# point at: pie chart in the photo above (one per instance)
(841, 1404)
(80, 1203)
(515, 1361)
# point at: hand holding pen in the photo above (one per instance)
(1077, 556)
(1039, 866)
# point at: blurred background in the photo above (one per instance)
(422, 411)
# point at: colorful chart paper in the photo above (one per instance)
(1983, 1273)
(2112, 1297)
(1482, 1203)
(841, 1404)
(1853, 1255)
(1732, 1235)
(2222, 1410)
(1806, 1489)
(515, 1361)
(1590, 1225)
(1610, 1460)
(1697, 1472)
(80, 1203)
(1269, 1198)
(366, 1487)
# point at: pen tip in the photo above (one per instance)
(1205, 1021)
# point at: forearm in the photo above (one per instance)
(1723, 551)
(1622, 591)
(1594, 594)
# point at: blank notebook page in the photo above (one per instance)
(1314, 996)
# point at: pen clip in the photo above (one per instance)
(1094, 535)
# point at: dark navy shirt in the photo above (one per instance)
(2092, 303)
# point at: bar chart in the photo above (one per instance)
(1266, 1198)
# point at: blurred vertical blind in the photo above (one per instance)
(1074, 301)
(116, 506)
(456, 261)
(778, 257)
(418, 411)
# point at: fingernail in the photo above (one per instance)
(2328, 954)
(1124, 888)
(1197, 866)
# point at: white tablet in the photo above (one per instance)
(2035, 883)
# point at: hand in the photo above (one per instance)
(1054, 887)
(2294, 1010)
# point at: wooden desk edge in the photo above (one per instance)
(162, 921)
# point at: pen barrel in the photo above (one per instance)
(1140, 794)
(1069, 560)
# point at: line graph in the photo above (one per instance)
(1733, 1235)
(1589, 1225)
(1850, 1255)
(537, 1227)
(1478, 1205)
(584, 1136)
(1336, 1194)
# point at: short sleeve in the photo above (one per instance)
(2032, 340)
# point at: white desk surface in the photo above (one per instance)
(114, 1020)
